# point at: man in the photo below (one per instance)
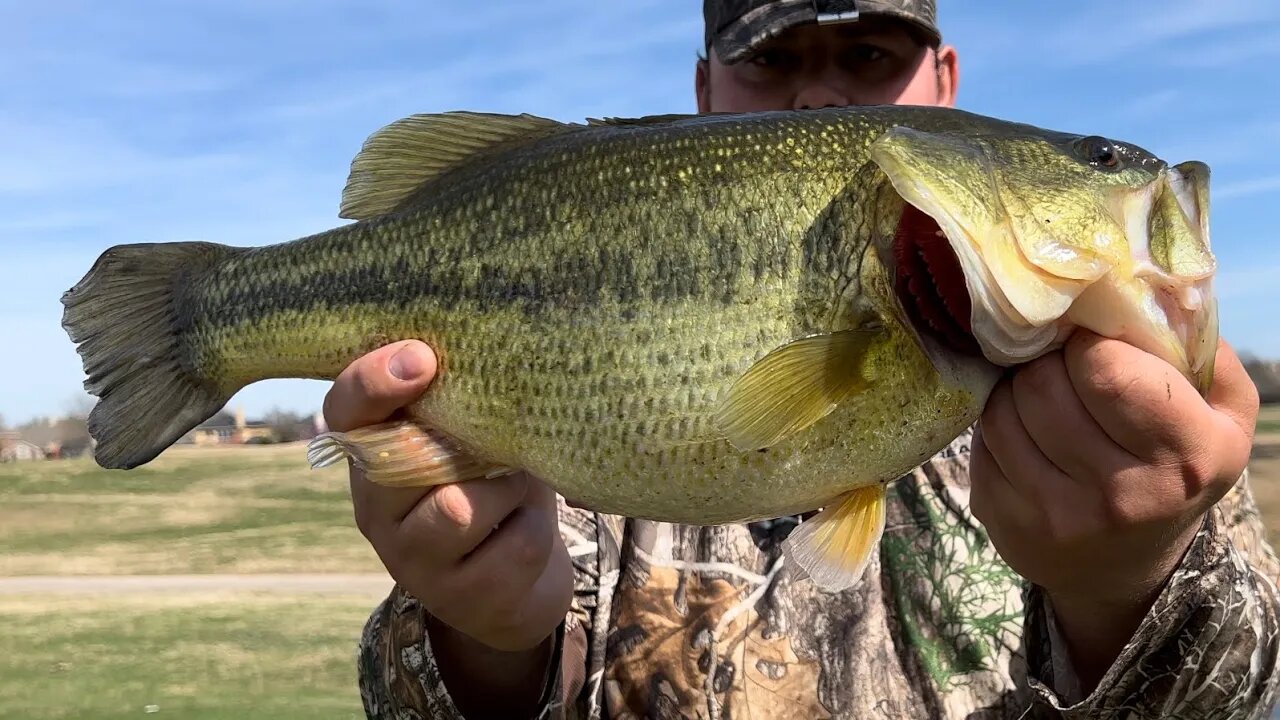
(1091, 550)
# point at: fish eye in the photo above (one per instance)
(1100, 152)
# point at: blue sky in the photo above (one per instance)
(236, 121)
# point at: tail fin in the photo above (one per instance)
(124, 315)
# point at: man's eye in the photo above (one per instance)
(772, 59)
(867, 53)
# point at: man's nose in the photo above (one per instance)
(820, 95)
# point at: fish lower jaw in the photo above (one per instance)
(1145, 317)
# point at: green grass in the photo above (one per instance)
(201, 657)
(192, 510)
(1269, 419)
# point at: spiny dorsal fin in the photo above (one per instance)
(646, 120)
(397, 159)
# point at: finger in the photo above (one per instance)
(1140, 401)
(452, 521)
(1233, 392)
(993, 500)
(1022, 463)
(379, 509)
(375, 386)
(1059, 424)
(511, 558)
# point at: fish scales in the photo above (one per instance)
(571, 331)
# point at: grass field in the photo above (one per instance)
(1265, 470)
(192, 510)
(1269, 420)
(208, 655)
(191, 656)
(200, 655)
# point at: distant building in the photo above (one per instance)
(15, 449)
(239, 432)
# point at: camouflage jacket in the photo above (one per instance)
(673, 621)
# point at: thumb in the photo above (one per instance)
(376, 385)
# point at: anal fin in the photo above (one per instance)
(834, 547)
(401, 454)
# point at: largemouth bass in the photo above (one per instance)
(696, 319)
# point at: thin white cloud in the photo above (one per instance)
(529, 72)
(1245, 188)
(1257, 279)
(1225, 141)
(1211, 55)
(1121, 29)
(58, 154)
(1145, 106)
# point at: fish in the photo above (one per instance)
(699, 319)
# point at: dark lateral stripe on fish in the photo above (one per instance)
(436, 275)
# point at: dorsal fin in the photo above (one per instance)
(397, 159)
(646, 120)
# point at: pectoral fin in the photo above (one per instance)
(794, 387)
(834, 547)
(401, 454)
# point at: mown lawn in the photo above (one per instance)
(192, 510)
(1269, 420)
(1264, 470)
(190, 656)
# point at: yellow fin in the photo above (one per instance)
(401, 454)
(834, 547)
(793, 387)
(397, 159)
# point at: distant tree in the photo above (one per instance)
(2, 425)
(71, 432)
(289, 426)
(1265, 375)
(222, 418)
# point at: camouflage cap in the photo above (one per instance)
(735, 27)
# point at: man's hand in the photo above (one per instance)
(1092, 470)
(484, 557)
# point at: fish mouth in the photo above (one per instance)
(929, 283)
(1190, 184)
(970, 288)
(1168, 228)
(1005, 309)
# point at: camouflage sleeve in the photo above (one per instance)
(1207, 648)
(398, 675)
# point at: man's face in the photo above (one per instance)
(873, 61)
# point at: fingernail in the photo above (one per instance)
(408, 364)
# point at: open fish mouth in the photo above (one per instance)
(930, 284)
(1171, 253)
(982, 266)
